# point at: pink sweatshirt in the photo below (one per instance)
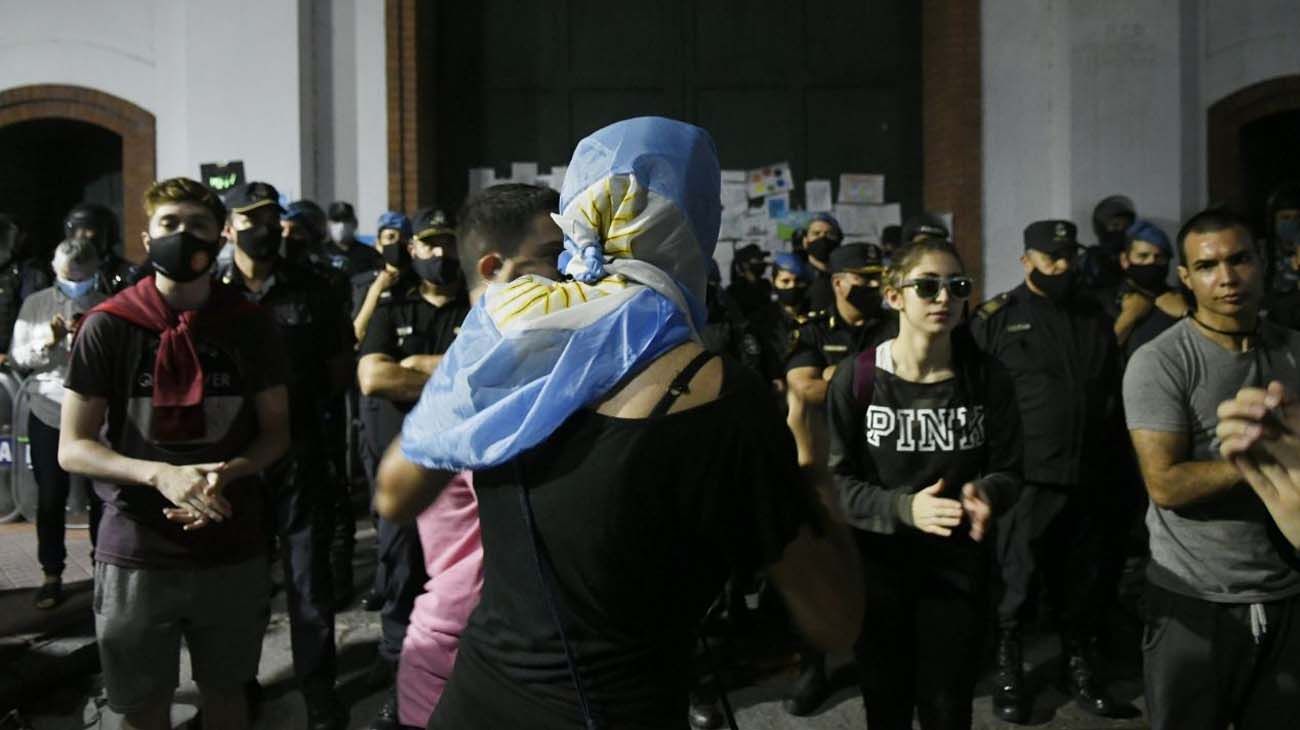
(453, 554)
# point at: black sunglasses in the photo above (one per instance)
(927, 287)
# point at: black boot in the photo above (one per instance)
(1009, 701)
(1081, 682)
(387, 717)
(811, 688)
(325, 711)
(705, 714)
(372, 601)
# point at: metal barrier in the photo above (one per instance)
(10, 385)
(21, 476)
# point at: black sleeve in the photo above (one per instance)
(335, 328)
(867, 504)
(979, 330)
(1003, 439)
(804, 352)
(268, 362)
(97, 354)
(379, 337)
(767, 498)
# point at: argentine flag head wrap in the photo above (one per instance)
(640, 211)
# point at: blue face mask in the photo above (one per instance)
(75, 289)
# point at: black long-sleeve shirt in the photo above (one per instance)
(965, 429)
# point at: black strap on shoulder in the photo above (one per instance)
(589, 717)
(681, 384)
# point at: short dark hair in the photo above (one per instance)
(497, 219)
(1211, 220)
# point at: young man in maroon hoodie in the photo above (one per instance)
(189, 379)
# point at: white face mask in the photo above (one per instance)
(341, 231)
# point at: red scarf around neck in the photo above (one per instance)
(177, 373)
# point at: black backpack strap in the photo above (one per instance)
(681, 384)
(864, 377)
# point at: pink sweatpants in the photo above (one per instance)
(453, 553)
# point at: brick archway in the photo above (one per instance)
(1226, 119)
(134, 125)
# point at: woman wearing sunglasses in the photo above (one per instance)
(925, 449)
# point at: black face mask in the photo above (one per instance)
(1057, 288)
(396, 255)
(1113, 241)
(1148, 277)
(437, 270)
(182, 256)
(865, 299)
(792, 297)
(821, 248)
(259, 242)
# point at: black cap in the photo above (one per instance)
(857, 258)
(252, 195)
(431, 222)
(751, 252)
(1051, 236)
(341, 211)
(925, 224)
(307, 212)
(891, 235)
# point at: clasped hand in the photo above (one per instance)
(195, 491)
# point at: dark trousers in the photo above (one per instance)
(53, 485)
(402, 579)
(922, 636)
(1062, 537)
(1204, 670)
(399, 571)
(304, 522)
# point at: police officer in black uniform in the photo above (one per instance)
(405, 338)
(857, 321)
(775, 323)
(20, 276)
(97, 223)
(345, 252)
(1060, 348)
(822, 236)
(303, 227)
(319, 343)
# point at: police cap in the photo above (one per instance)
(1051, 236)
(253, 195)
(857, 258)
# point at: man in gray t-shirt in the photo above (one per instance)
(1219, 644)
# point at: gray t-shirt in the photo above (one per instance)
(1221, 549)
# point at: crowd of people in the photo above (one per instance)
(580, 444)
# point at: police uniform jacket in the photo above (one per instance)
(404, 324)
(1065, 364)
(825, 338)
(314, 331)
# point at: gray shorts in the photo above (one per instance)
(141, 615)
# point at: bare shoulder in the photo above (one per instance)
(639, 396)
